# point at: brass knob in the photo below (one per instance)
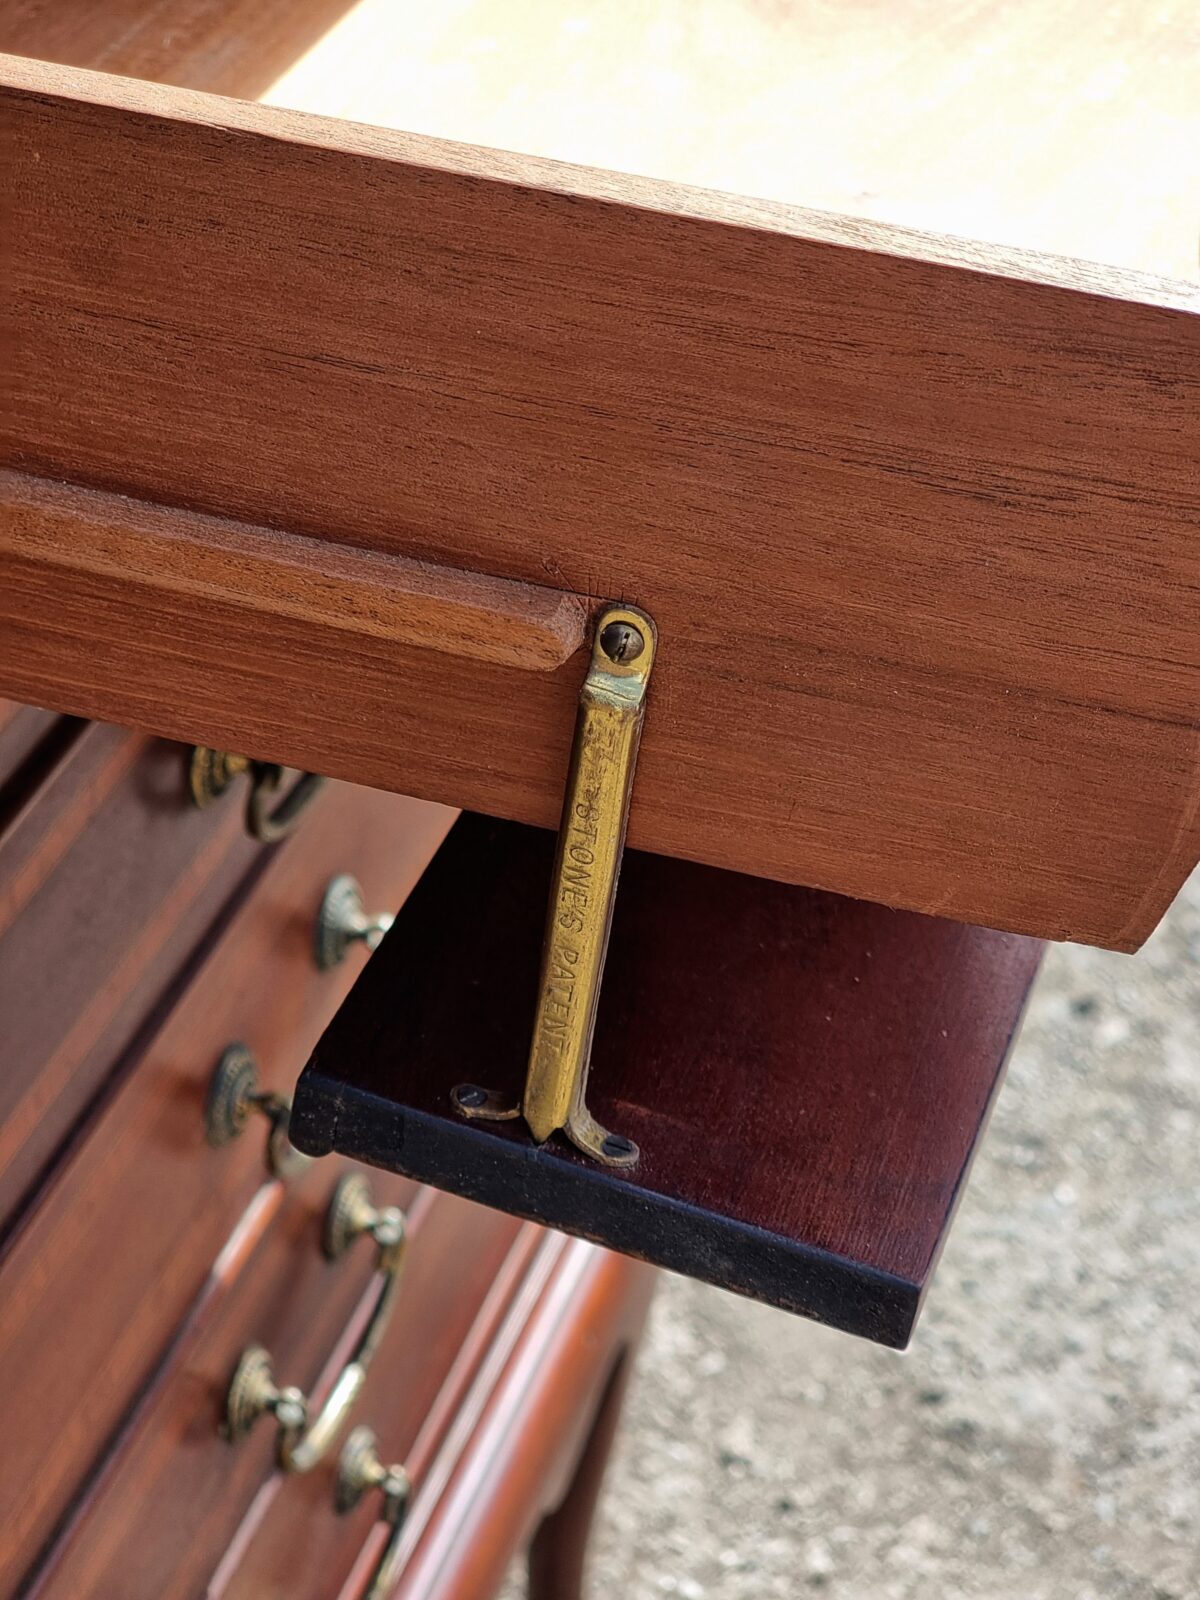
(343, 919)
(359, 1469)
(253, 1391)
(234, 1097)
(210, 772)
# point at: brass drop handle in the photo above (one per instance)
(343, 919)
(268, 819)
(359, 1469)
(234, 1097)
(253, 1392)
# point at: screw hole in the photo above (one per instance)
(615, 1144)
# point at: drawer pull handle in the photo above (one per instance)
(360, 1469)
(343, 919)
(234, 1097)
(210, 772)
(301, 1443)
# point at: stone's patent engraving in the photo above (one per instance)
(586, 867)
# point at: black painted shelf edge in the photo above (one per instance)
(536, 1184)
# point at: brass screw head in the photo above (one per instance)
(622, 642)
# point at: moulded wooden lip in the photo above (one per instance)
(215, 566)
(806, 1075)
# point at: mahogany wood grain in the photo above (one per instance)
(806, 1076)
(219, 567)
(121, 1240)
(916, 518)
(109, 878)
(174, 1493)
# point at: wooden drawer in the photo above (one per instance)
(918, 539)
(109, 877)
(120, 1243)
(156, 1520)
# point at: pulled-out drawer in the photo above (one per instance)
(108, 1262)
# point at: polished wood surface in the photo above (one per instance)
(522, 1433)
(149, 1261)
(559, 1549)
(107, 1263)
(806, 1076)
(916, 537)
(217, 568)
(109, 878)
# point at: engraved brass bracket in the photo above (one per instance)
(587, 863)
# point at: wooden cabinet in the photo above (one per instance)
(109, 879)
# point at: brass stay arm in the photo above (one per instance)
(587, 864)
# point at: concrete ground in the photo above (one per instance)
(1040, 1440)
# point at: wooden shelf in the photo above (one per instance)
(806, 1076)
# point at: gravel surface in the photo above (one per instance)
(1040, 1440)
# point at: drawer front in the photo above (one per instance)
(176, 1495)
(108, 879)
(523, 1430)
(121, 1242)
